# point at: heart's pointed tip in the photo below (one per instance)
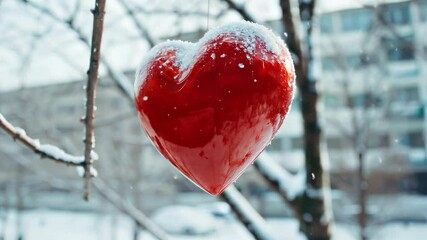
(216, 193)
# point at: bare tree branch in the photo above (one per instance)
(107, 193)
(102, 188)
(118, 77)
(129, 209)
(45, 151)
(262, 162)
(245, 15)
(144, 33)
(95, 55)
(73, 15)
(250, 218)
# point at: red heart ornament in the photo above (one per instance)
(212, 107)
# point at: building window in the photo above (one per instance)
(328, 64)
(359, 61)
(400, 49)
(325, 24)
(366, 100)
(397, 14)
(335, 143)
(405, 95)
(379, 141)
(358, 100)
(296, 143)
(276, 145)
(356, 20)
(353, 62)
(413, 139)
(423, 11)
(332, 101)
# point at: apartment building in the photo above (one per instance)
(371, 67)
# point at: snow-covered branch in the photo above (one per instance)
(287, 185)
(255, 224)
(106, 192)
(277, 177)
(44, 150)
(89, 120)
(129, 209)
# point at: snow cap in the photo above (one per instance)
(187, 52)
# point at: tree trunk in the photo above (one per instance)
(362, 218)
(313, 206)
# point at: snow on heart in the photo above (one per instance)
(187, 52)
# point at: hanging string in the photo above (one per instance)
(207, 24)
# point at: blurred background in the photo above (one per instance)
(370, 62)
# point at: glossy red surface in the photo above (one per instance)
(213, 122)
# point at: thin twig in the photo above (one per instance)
(255, 224)
(95, 55)
(262, 161)
(45, 151)
(129, 209)
(245, 15)
(142, 30)
(118, 77)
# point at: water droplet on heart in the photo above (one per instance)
(174, 108)
(213, 55)
(229, 91)
(241, 65)
(145, 98)
(168, 115)
(223, 55)
(255, 80)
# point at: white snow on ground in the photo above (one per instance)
(410, 231)
(185, 220)
(53, 225)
